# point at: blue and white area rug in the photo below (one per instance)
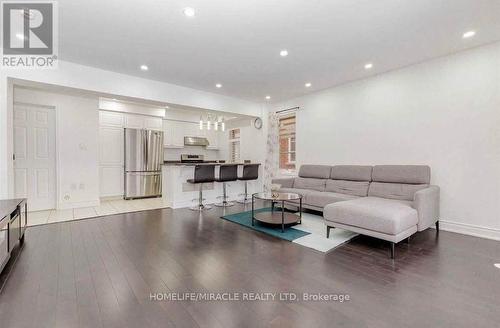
(310, 233)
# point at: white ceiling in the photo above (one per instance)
(237, 43)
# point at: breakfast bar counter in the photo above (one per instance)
(178, 193)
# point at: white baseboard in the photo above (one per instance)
(469, 229)
(90, 203)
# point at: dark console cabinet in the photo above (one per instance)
(13, 222)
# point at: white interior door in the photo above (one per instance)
(35, 156)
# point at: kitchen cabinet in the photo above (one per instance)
(173, 134)
(111, 147)
(111, 181)
(111, 119)
(153, 123)
(111, 161)
(134, 121)
(175, 131)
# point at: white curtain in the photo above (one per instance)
(272, 151)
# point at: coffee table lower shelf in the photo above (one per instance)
(277, 217)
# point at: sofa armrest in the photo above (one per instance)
(284, 182)
(426, 202)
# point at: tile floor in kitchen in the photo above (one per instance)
(107, 207)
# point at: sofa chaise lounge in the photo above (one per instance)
(389, 202)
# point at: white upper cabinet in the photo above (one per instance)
(153, 123)
(111, 119)
(173, 134)
(134, 121)
(111, 146)
(175, 131)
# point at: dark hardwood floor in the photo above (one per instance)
(100, 273)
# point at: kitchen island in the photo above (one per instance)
(178, 193)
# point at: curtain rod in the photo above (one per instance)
(288, 109)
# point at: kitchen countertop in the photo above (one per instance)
(179, 163)
(7, 206)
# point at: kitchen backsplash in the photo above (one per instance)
(170, 154)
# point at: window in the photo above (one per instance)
(287, 142)
(234, 145)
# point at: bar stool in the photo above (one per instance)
(202, 174)
(227, 173)
(250, 172)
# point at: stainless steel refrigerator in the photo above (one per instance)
(143, 161)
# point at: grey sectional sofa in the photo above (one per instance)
(390, 202)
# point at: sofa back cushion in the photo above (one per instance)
(409, 174)
(309, 183)
(315, 171)
(401, 191)
(351, 173)
(355, 188)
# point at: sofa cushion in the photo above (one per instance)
(395, 190)
(351, 172)
(372, 213)
(410, 174)
(302, 192)
(356, 188)
(315, 171)
(310, 183)
(321, 199)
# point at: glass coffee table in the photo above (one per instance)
(278, 217)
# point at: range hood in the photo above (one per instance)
(196, 141)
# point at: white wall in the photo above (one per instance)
(252, 144)
(77, 145)
(106, 83)
(444, 113)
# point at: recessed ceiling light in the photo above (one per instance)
(114, 99)
(284, 53)
(497, 265)
(308, 84)
(268, 97)
(166, 107)
(368, 66)
(218, 85)
(144, 67)
(469, 34)
(188, 11)
(20, 36)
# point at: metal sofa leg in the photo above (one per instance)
(328, 228)
(392, 249)
(437, 226)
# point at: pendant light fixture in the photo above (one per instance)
(217, 123)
